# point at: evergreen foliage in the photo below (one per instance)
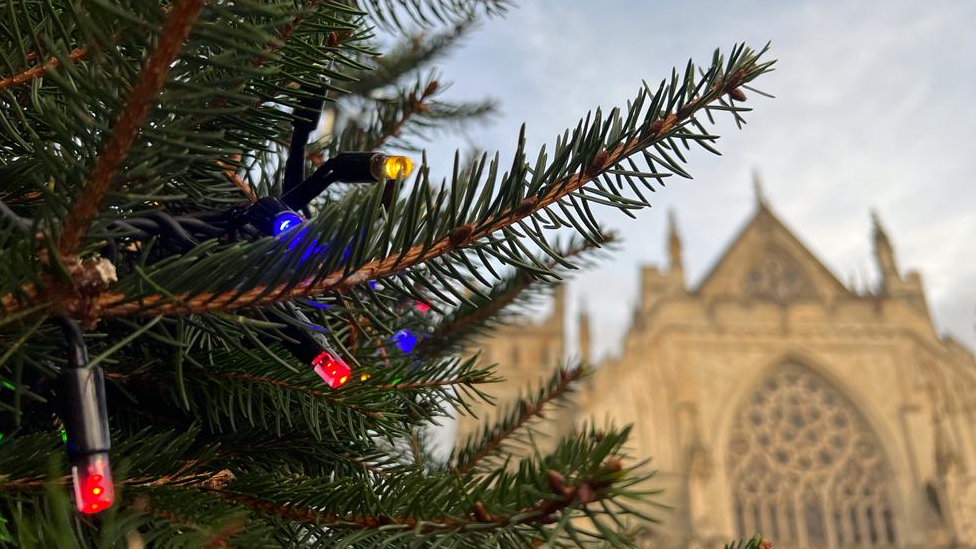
(115, 112)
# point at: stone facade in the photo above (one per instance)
(775, 399)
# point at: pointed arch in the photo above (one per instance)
(806, 467)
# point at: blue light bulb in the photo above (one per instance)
(405, 340)
(284, 221)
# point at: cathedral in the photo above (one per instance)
(775, 399)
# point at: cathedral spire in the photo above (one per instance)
(674, 244)
(584, 333)
(558, 305)
(757, 187)
(884, 254)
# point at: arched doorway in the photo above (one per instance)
(806, 469)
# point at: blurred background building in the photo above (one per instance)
(774, 398)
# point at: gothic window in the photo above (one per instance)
(806, 469)
(775, 276)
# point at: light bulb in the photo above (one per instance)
(92, 479)
(331, 369)
(284, 221)
(396, 167)
(405, 340)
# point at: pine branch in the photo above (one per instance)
(563, 496)
(408, 56)
(232, 176)
(415, 104)
(286, 32)
(272, 49)
(406, 386)
(394, 15)
(390, 118)
(41, 70)
(179, 21)
(595, 152)
(463, 322)
(251, 378)
(491, 441)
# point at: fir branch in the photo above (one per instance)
(563, 496)
(232, 176)
(436, 383)
(221, 536)
(406, 57)
(41, 70)
(558, 187)
(465, 320)
(253, 378)
(525, 410)
(269, 52)
(393, 15)
(415, 104)
(179, 21)
(286, 32)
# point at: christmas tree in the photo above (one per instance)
(229, 314)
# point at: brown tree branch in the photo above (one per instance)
(298, 389)
(435, 383)
(175, 30)
(232, 176)
(254, 378)
(501, 301)
(585, 491)
(41, 70)
(528, 411)
(414, 105)
(286, 31)
(115, 304)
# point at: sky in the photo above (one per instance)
(874, 109)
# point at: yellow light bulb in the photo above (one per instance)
(364, 377)
(395, 167)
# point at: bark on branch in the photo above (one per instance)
(175, 30)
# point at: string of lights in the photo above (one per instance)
(82, 387)
(83, 406)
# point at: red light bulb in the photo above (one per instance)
(421, 306)
(333, 370)
(92, 479)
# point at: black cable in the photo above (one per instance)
(132, 231)
(77, 350)
(198, 226)
(110, 250)
(299, 196)
(21, 223)
(174, 229)
(140, 223)
(304, 120)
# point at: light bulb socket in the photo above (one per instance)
(358, 167)
(84, 413)
(347, 167)
(306, 346)
(81, 391)
(271, 216)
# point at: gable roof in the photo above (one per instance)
(763, 239)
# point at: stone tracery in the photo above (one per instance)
(777, 277)
(806, 469)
